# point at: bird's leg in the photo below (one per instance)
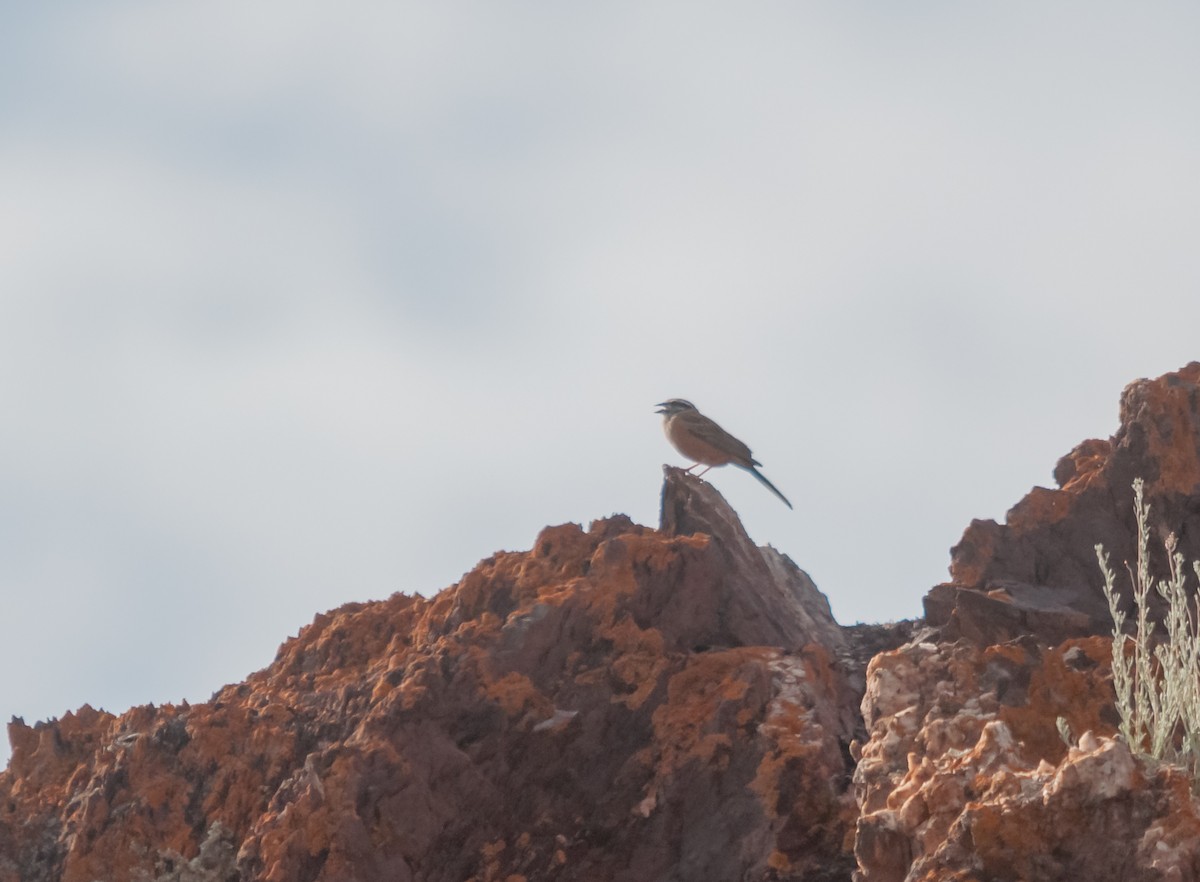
(688, 470)
(701, 473)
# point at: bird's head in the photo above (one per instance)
(672, 406)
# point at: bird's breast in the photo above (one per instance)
(692, 446)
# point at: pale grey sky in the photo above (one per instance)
(304, 304)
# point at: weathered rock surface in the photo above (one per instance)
(966, 776)
(1037, 572)
(620, 703)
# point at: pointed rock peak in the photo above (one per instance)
(761, 595)
(692, 505)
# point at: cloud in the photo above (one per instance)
(305, 305)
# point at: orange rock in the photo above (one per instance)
(1043, 560)
(965, 776)
(619, 702)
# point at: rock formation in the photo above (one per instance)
(1037, 572)
(965, 775)
(620, 703)
(631, 703)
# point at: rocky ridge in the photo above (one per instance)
(619, 702)
(632, 703)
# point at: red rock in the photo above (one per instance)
(1037, 573)
(964, 774)
(617, 703)
(966, 777)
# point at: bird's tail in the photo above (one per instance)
(752, 470)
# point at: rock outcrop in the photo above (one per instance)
(620, 703)
(1037, 572)
(663, 704)
(967, 777)
(965, 774)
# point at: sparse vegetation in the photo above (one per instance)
(1157, 679)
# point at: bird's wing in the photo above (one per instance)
(710, 432)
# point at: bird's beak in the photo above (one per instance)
(663, 406)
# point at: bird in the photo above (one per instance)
(700, 439)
